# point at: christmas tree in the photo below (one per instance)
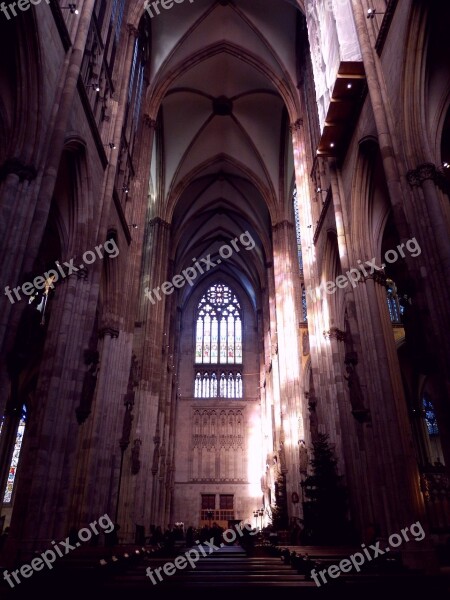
(324, 507)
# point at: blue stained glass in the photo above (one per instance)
(430, 417)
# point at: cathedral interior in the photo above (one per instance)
(225, 260)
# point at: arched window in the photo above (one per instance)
(433, 447)
(218, 327)
(228, 385)
(304, 307)
(15, 458)
(395, 309)
(430, 417)
(297, 230)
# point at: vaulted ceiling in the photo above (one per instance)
(224, 91)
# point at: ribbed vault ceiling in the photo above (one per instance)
(224, 90)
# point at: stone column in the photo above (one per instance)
(45, 481)
(116, 130)
(288, 304)
(153, 339)
(391, 422)
(426, 179)
(398, 193)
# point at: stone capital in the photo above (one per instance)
(108, 330)
(149, 122)
(158, 222)
(14, 166)
(82, 273)
(335, 334)
(296, 126)
(132, 30)
(427, 172)
(282, 225)
(379, 277)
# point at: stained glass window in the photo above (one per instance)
(213, 387)
(238, 385)
(395, 308)
(198, 386)
(297, 230)
(228, 385)
(223, 386)
(430, 417)
(15, 458)
(218, 337)
(117, 16)
(304, 309)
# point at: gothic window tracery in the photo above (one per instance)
(218, 327)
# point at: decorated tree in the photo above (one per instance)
(324, 505)
(280, 517)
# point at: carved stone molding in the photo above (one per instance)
(335, 334)
(303, 457)
(135, 373)
(91, 360)
(126, 430)
(17, 167)
(305, 343)
(359, 410)
(135, 457)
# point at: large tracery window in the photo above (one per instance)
(219, 327)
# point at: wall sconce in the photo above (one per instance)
(319, 190)
(372, 12)
(95, 86)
